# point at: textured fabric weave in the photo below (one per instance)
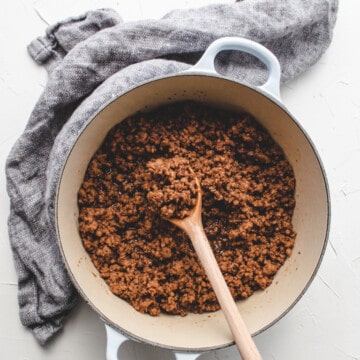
(96, 57)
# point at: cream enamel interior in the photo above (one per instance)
(206, 331)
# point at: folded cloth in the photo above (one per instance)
(96, 57)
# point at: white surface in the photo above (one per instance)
(325, 324)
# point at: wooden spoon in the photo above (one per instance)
(192, 225)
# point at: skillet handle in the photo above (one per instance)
(114, 340)
(186, 356)
(206, 62)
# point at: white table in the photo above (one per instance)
(325, 324)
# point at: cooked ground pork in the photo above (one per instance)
(248, 201)
(171, 187)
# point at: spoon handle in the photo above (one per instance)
(242, 337)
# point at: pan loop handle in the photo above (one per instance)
(206, 62)
(186, 356)
(115, 339)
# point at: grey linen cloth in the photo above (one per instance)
(95, 57)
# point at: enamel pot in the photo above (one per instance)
(195, 333)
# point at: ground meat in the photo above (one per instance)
(171, 187)
(248, 202)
